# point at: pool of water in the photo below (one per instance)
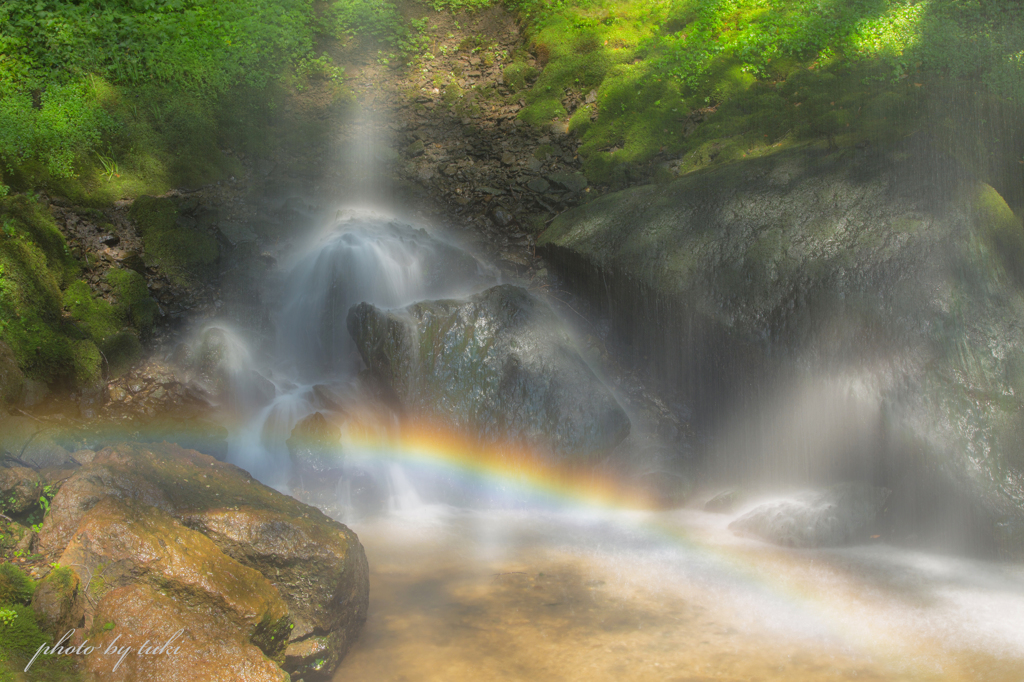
(566, 594)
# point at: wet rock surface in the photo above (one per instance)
(890, 272)
(279, 576)
(497, 365)
(315, 450)
(840, 515)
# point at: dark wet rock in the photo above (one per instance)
(109, 240)
(570, 182)
(538, 185)
(328, 399)
(12, 381)
(261, 578)
(497, 365)
(840, 515)
(508, 158)
(890, 270)
(724, 502)
(501, 217)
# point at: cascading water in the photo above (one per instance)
(360, 256)
(515, 576)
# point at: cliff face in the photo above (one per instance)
(891, 274)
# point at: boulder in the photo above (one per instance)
(497, 365)
(872, 299)
(839, 515)
(20, 489)
(281, 582)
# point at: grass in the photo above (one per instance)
(708, 81)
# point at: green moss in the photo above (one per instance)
(87, 363)
(152, 214)
(20, 636)
(15, 586)
(134, 304)
(1003, 230)
(31, 219)
(185, 254)
(98, 317)
(30, 303)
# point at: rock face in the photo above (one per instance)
(496, 365)
(841, 515)
(259, 581)
(889, 275)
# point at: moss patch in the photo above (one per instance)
(134, 305)
(15, 586)
(186, 254)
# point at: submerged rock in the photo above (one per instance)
(840, 515)
(257, 577)
(497, 365)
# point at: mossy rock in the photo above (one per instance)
(261, 546)
(134, 304)
(57, 600)
(30, 305)
(20, 635)
(15, 586)
(31, 219)
(187, 255)
(1001, 227)
(99, 319)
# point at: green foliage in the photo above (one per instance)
(377, 20)
(71, 73)
(757, 74)
(15, 586)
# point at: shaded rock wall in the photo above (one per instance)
(892, 274)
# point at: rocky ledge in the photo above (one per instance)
(147, 540)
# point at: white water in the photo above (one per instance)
(485, 580)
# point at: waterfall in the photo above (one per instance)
(358, 256)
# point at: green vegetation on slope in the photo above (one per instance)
(714, 80)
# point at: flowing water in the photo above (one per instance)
(489, 573)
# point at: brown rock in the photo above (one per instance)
(316, 563)
(204, 650)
